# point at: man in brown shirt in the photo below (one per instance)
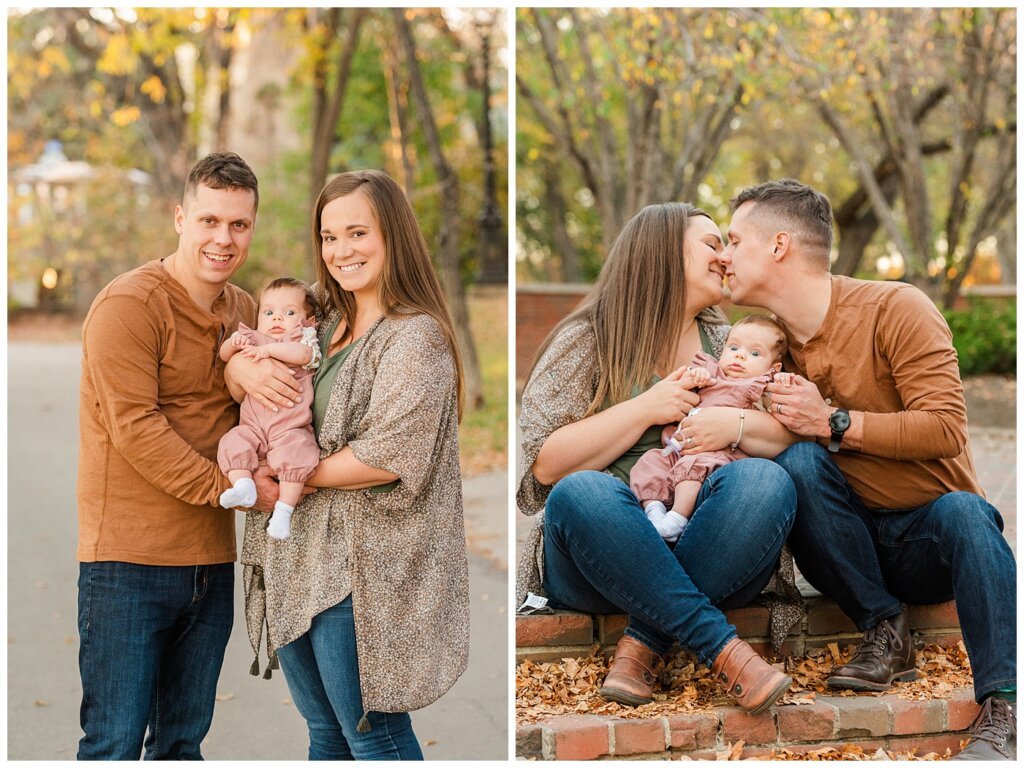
(156, 551)
(889, 508)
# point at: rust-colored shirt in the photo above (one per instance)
(153, 407)
(885, 349)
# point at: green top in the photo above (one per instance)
(323, 383)
(651, 438)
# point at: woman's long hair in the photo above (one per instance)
(636, 305)
(408, 280)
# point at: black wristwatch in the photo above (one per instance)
(838, 422)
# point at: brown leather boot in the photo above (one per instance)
(631, 676)
(752, 681)
(885, 654)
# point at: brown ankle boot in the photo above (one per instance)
(631, 676)
(885, 654)
(752, 681)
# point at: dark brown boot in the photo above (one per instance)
(631, 676)
(885, 654)
(752, 681)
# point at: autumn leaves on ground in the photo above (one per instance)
(570, 686)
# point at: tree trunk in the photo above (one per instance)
(327, 109)
(448, 236)
(566, 255)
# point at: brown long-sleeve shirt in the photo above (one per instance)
(885, 349)
(153, 407)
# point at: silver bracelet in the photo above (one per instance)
(739, 437)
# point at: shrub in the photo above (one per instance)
(985, 336)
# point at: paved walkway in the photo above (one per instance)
(254, 719)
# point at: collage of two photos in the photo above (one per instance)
(511, 383)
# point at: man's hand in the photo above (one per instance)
(798, 405)
(270, 381)
(268, 490)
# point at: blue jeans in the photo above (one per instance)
(323, 675)
(602, 555)
(869, 560)
(152, 645)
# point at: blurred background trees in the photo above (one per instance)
(906, 119)
(109, 108)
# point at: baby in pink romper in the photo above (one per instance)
(752, 356)
(285, 332)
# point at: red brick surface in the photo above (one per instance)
(753, 729)
(825, 618)
(860, 716)
(917, 716)
(547, 653)
(922, 745)
(807, 722)
(750, 621)
(693, 731)
(579, 737)
(637, 737)
(941, 615)
(610, 628)
(961, 711)
(536, 315)
(554, 629)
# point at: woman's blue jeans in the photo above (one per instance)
(323, 676)
(602, 555)
(868, 560)
(153, 640)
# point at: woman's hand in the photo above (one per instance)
(710, 429)
(670, 399)
(270, 382)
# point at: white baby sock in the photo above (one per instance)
(655, 510)
(670, 527)
(241, 494)
(281, 521)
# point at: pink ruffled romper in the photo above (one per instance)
(284, 438)
(655, 477)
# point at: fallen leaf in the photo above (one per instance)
(429, 742)
(40, 703)
(225, 696)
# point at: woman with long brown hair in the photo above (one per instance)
(605, 382)
(366, 603)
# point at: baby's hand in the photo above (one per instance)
(697, 377)
(238, 340)
(256, 353)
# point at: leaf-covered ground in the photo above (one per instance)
(570, 686)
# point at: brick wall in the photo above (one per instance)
(539, 307)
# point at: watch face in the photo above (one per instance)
(839, 421)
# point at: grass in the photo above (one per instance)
(483, 434)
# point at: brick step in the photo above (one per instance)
(870, 722)
(562, 634)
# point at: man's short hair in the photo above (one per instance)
(222, 170)
(797, 205)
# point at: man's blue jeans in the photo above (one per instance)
(602, 555)
(152, 646)
(869, 560)
(322, 671)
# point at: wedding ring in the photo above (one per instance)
(778, 408)
(689, 441)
